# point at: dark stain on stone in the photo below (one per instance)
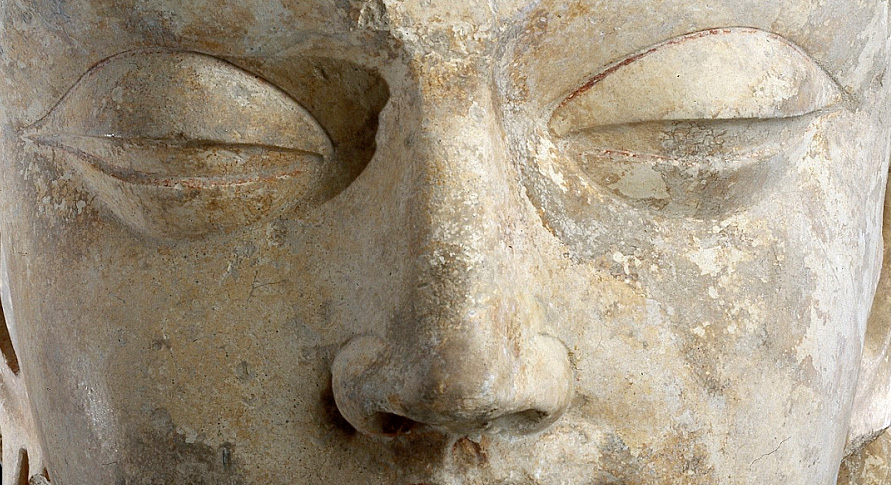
(160, 455)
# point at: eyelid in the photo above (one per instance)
(717, 74)
(185, 96)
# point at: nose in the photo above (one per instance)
(470, 349)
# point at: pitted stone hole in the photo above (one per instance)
(393, 424)
(6, 346)
(23, 468)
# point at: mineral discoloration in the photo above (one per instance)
(163, 444)
(869, 465)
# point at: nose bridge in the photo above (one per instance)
(460, 150)
(462, 209)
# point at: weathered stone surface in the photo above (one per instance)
(869, 465)
(349, 241)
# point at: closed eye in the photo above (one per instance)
(179, 144)
(696, 125)
(177, 101)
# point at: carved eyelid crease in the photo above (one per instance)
(181, 98)
(718, 74)
(179, 144)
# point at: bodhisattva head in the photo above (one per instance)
(451, 242)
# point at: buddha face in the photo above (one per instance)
(441, 242)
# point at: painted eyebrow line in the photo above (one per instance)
(610, 69)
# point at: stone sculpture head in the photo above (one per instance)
(442, 242)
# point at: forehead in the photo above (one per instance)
(63, 39)
(247, 24)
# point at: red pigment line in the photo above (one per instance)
(206, 183)
(627, 154)
(615, 67)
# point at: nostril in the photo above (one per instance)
(391, 424)
(532, 415)
(529, 421)
(524, 422)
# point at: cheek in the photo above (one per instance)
(714, 339)
(732, 329)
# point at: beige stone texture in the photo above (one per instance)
(868, 465)
(444, 242)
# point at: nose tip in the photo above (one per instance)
(381, 392)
